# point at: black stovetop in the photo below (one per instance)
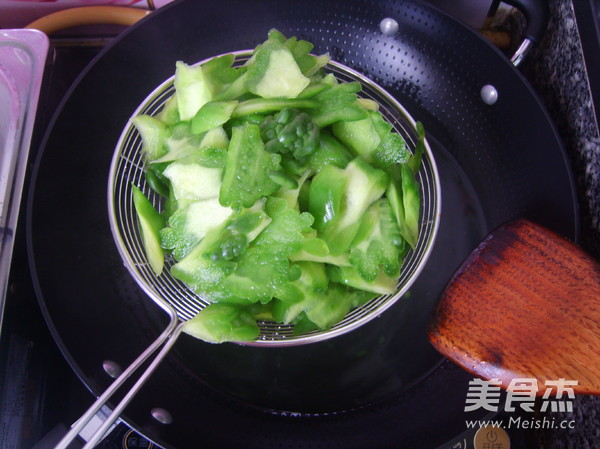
(41, 395)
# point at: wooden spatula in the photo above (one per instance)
(525, 304)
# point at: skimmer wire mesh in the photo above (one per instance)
(171, 294)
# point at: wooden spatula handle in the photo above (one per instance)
(525, 304)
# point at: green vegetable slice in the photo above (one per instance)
(274, 72)
(212, 115)
(340, 209)
(192, 182)
(300, 49)
(247, 169)
(358, 135)
(349, 276)
(193, 89)
(338, 103)
(150, 223)
(403, 194)
(290, 132)
(267, 105)
(329, 151)
(218, 323)
(189, 225)
(378, 244)
(154, 135)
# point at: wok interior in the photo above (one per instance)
(495, 163)
(127, 168)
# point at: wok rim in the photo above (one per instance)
(88, 379)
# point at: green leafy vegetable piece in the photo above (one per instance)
(193, 89)
(249, 119)
(208, 150)
(189, 225)
(322, 304)
(403, 195)
(307, 63)
(338, 210)
(264, 269)
(212, 115)
(290, 132)
(269, 105)
(349, 276)
(170, 206)
(210, 157)
(226, 270)
(150, 222)
(414, 162)
(154, 134)
(403, 189)
(236, 89)
(330, 151)
(219, 323)
(246, 178)
(303, 325)
(373, 139)
(291, 192)
(241, 230)
(192, 182)
(179, 144)
(216, 138)
(192, 148)
(315, 249)
(313, 89)
(285, 233)
(198, 270)
(392, 148)
(259, 274)
(284, 180)
(378, 243)
(358, 135)
(274, 72)
(169, 114)
(336, 103)
(308, 288)
(156, 181)
(335, 305)
(326, 193)
(220, 72)
(181, 130)
(368, 104)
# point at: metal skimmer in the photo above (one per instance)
(180, 302)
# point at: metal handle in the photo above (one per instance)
(537, 15)
(99, 434)
(521, 52)
(166, 340)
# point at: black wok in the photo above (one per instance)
(375, 387)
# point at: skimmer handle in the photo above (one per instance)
(166, 341)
